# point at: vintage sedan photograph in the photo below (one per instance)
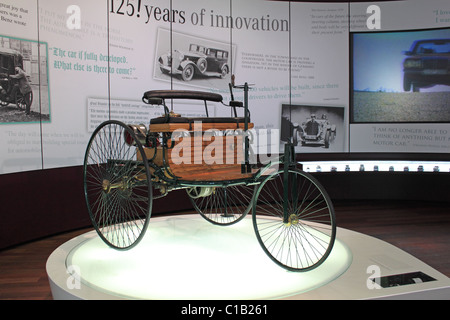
(192, 60)
(197, 61)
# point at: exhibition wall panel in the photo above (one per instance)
(78, 48)
(21, 142)
(319, 76)
(92, 61)
(399, 88)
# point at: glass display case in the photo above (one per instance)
(375, 166)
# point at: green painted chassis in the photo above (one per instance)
(303, 208)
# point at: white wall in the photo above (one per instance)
(76, 92)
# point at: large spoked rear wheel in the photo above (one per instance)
(222, 205)
(294, 220)
(117, 185)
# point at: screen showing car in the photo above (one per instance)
(400, 76)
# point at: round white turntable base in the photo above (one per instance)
(183, 257)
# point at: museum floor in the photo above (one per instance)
(419, 228)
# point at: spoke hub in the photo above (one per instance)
(200, 192)
(292, 220)
(122, 185)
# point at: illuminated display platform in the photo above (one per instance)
(185, 257)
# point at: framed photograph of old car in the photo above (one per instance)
(401, 76)
(313, 128)
(24, 84)
(193, 60)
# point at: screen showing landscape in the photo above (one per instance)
(401, 76)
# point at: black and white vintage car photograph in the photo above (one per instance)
(193, 61)
(310, 127)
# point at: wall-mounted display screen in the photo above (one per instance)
(401, 76)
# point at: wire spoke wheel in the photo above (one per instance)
(222, 205)
(117, 186)
(21, 99)
(294, 220)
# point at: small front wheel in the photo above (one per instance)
(222, 205)
(22, 100)
(407, 83)
(294, 220)
(188, 72)
(202, 65)
(224, 71)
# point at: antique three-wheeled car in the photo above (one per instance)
(126, 167)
